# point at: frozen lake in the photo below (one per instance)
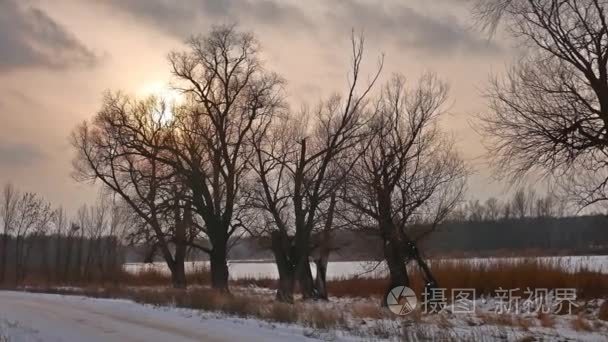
(345, 269)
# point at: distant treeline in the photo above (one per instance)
(545, 235)
(59, 259)
(41, 243)
(512, 236)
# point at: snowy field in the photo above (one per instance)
(29, 317)
(347, 269)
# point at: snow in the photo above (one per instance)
(26, 317)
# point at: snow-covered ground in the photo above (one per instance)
(346, 269)
(48, 317)
(29, 317)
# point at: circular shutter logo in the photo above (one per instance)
(401, 300)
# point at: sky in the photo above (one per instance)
(57, 57)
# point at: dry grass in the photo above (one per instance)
(546, 320)
(485, 279)
(500, 320)
(504, 320)
(532, 273)
(282, 312)
(145, 277)
(258, 282)
(581, 324)
(318, 318)
(368, 310)
(603, 312)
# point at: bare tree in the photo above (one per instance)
(522, 203)
(300, 167)
(550, 113)
(408, 174)
(492, 209)
(476, 211)
(230, 100)
(121, 150)
(32, 216)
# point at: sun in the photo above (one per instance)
(161, 90)
(164, 92)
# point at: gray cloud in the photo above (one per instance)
(29, 37)
(18, 154)
(183, 18)
(437, 33)
(441, 32)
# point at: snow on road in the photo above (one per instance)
(46, 317)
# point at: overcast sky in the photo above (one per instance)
(57, 57)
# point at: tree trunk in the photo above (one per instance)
(178, 275)
(321, 278)
(325, 244)
(395, 260)
(302, 264)
(305, 280)
(219, 267)
(430, 282)
(280, 248)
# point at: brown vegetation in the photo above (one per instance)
(581, 324)
(456, 274)
(603, 313)
(485, 279)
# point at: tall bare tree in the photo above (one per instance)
(549, 114)
(230, 100)
(409, 172)
(300, 165)
(121, 149)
